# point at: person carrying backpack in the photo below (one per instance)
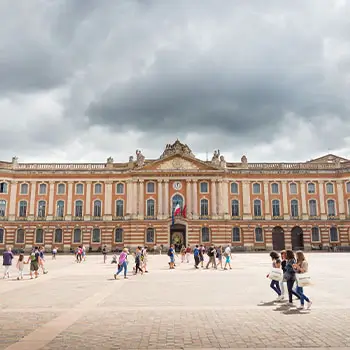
(211, 255)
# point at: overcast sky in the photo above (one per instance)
(82, 80)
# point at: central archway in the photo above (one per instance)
(178, 236)
(278, 242)
(297, 238)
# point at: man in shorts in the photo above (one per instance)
(34, 260)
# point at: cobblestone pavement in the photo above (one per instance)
(77, 305)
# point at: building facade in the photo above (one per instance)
(255, 206)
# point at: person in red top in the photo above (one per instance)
(188, 253)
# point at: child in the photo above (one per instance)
(20, 266)
(54, 252)
(276, 263)
(138, 261)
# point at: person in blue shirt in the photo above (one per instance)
(196, 256)
(171, 254)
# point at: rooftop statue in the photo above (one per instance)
(176, 148)
(140, 158)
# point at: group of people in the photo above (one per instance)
(292, 266)
(36, 260)
(140, 258)
(215, 256)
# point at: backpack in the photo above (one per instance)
(210, 252)
(169, 252)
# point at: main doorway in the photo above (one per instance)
(278, 242)
(297, 238)
(178, 236)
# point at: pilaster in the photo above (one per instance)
(304, 211)
(69, 200)
(189, 198)
(13, 197)
(341, 203)
(160, 199)
(107, 207)
(213, 199)
(50, 212)
(32, 208)
(141, 199)
(247, 211)
(285, 201)
(195, 198)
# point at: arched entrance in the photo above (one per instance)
(278, 238)
(178, 236)
(297, 238)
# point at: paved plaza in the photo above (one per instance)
(82, 306)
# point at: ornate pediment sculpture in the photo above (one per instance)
(140, 158)
(177, 148)
(177, 163)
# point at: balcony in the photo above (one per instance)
(295, 217)
(332, 217)
(235, 217)
(3, 218)
(21, 218)
(280, 217)
(58, 218)
(314, 217)
(118, 218)
(258, 217)
(150, 217)
(204, 217)
(78, 218)
(96, 218)
(40, 218)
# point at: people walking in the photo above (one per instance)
(123, 263)
(276, 264)
(138, 261)
(302, 267)
(188, 254)
(196, 254)
(7, 257)
(289, 276)
(219, 256)
(228, 257)
(212, 257)
(20, 266)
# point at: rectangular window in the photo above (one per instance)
(204, 187)
(259, 236)
(118, 238)
(96, 235)
(77, 235)
(42, 189)
(39, 236)
(315, 234)
(20, 236)
(2, 235)
(58, 235)
(150, 235)
(236, 234)
(205, 235)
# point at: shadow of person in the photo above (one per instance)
(267, 303)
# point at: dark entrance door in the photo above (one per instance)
(178, 236)
(278, 238)
(297, 238)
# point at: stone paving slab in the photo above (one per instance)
(81, 305)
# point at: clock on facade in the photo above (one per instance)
(177, 185)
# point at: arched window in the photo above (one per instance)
(97, 208)
(20, 236)
(331, 207)
(236, 234)
(39, 236)
(96, 235)
(329, 188)
(315, 234)
(79, 209)
(42, 189)
(259, 235)
(234, 187)
(333, 233)
(177, 200)
(276, 208)
(77, 235)
(119, 208)
(22, 209)
(293, 188)
(204, 187)
(312, 207)
(3, 187)
(348, 187)
(118, 235)
(24, 188)
(204, 207)
(98, 188)
(205, 235)
(150, 235)
(61, 189)
(150, 207)
(2, 235)
(2, 208)
(274, 188)
(150, 187)
(60, 209)
(79, 189)
(120, 188)
(41, 209)
(294, 208)
(256, 188)
(58, 235)
(257, 207)
(311, 188)
(235, 207)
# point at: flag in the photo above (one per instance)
(184, 214)
(177, 210)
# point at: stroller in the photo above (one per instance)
(114, 259)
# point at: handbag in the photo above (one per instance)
(276, 274)
(303, 279)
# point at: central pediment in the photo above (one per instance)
(177, 163)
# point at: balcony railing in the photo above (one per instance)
(58, 218)
(150, 217)
(295, 217)
(204, 217)
(118, 218)
(96, 218)
(77, 218)
(258, 217)
(3, 218)
(332, 217)
(279, 217)
(314, 217)
(236, 217)
(40, 218)
(21, 218)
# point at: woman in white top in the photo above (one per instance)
(302, 267)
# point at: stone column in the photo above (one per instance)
(50, 212)
(285, 201)
(107, 207)
(195, 199)
(267, 204)
(247, 210)
(213, 199)
(304, 206)
(189, 198)
(341, 202)
(220, 198)
(141, 199)
(69, 200)
(225, 184)
(166, 198)
(88, 199)
(32, 206)
(160, 199)
(129, 188)
(322, 200)
(134, 199)
(13, 197)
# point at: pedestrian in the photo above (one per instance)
(196, 254)
(283, 265)
(228, 256)
(54, 253)
(289, 276)
(42, 260)
(34, 260)
(188, 254)
(20, 266)
(104, 253)
(219, 256)
(123, 263)
(201, 254)
(171, 254)
(302, 267)
(276, 264)
(144, 259)
(212, 258)
(138, 261)
(7, 257)
(183, 253)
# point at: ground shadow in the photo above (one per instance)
(267, 303)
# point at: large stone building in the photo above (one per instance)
(252, 205)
